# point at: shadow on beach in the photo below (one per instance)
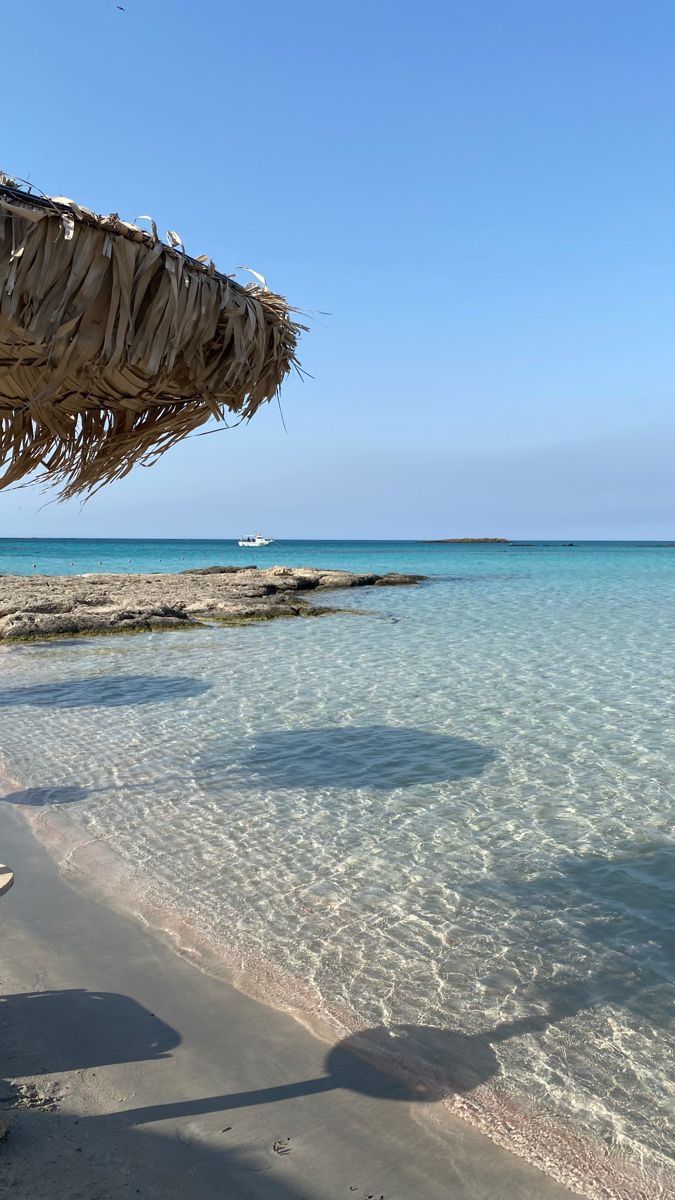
(104, 691)
(380, 757)
(63, 1157)
(409, 1063)
(76, 1029)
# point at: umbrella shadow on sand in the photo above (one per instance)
(77, 1030)
(410, 1063)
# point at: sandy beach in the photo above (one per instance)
(129, 1071)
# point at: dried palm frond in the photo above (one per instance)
(114, 346)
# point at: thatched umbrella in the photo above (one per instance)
(115, 345)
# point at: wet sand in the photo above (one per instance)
(129, 1071)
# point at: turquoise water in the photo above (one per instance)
(75, 556)
(454, 814)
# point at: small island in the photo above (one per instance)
(471, 541)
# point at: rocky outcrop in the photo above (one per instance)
(42, 606)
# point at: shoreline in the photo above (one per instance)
(559, 1158)
(187, 1078)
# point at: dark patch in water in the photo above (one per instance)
(372, 756)
(104, 691)
(38, 797)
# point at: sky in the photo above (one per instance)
(472, 201)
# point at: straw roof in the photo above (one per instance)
(114, 345)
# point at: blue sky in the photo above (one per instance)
(480, 194)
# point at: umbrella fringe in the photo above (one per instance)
(114, 346)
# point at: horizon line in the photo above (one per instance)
(466, 539)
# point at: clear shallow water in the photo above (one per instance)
(456, 812)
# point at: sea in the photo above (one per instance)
(443, 815)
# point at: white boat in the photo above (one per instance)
(255, 539)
